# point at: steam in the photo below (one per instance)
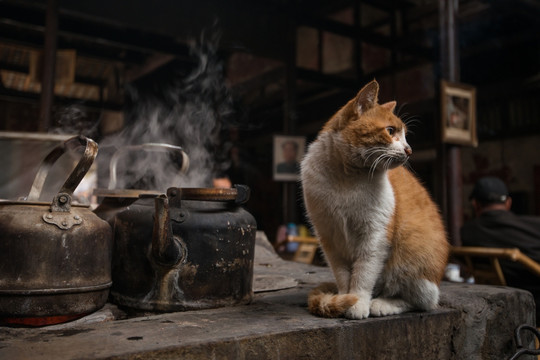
(179, 109)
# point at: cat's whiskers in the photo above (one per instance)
(383, 158)
(411, 123)
(373, 167)
(411, 120)
(373, 151)
(388, 163)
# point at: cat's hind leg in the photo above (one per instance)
(418, 294)
(422, 294)
(388, 306)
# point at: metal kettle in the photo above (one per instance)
(55, 258)
(192, 248)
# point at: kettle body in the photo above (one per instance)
(183, 252)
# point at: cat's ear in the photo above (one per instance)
(367, 97)
(390, 106)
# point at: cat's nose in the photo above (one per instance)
(408, 150)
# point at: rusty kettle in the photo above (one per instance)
(55, 258)
(192, 248)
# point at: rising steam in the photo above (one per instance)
(177, 109)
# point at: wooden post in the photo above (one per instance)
(289, 117)
(358, 42)
(393, 53)
(449, 52)
(49, 66)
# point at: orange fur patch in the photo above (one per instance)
(417, 231)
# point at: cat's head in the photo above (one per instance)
(374, 136)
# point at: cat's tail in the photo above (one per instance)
(325, 301)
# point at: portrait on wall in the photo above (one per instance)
(458, 104)
(288, 153)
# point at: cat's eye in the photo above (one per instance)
(391, 130)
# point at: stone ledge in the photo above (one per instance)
(262, 330)
(474, 322)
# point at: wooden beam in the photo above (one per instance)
(28, 97)
(78, 79)
(49, 65)
(75, 29)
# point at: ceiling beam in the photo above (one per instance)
(100, 34)
(78, 79)
(15, 95)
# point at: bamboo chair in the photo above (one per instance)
(491, 272)
(307, 248)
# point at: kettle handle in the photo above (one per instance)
(78, 173)
(156, 147)
(167, 249)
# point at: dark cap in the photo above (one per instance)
(490, 189)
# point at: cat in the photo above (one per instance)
(378, 227)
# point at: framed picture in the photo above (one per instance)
(458, 104)
(288, 152)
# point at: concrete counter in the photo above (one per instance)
(474, 322)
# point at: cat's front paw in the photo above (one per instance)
(360, 310)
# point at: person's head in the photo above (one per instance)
(490, 193)
(290, 151)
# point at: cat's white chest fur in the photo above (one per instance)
(358, 204)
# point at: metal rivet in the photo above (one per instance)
(64, 223)
(49, 216)
(63, 199)
(77, 217)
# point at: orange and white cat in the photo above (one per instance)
(379, 229)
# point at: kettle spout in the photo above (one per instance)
(166, 250)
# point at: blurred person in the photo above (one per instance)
(496, 226)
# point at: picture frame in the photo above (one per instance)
(287, 154)
(458, 114)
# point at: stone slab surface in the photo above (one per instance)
(474, 322)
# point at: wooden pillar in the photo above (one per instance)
(394, 53)
(49, 66)
(450, 70)
(290, 117)
(358, 42)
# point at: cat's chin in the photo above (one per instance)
(398, 163)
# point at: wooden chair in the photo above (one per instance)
(307, 248)
(490, 272)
